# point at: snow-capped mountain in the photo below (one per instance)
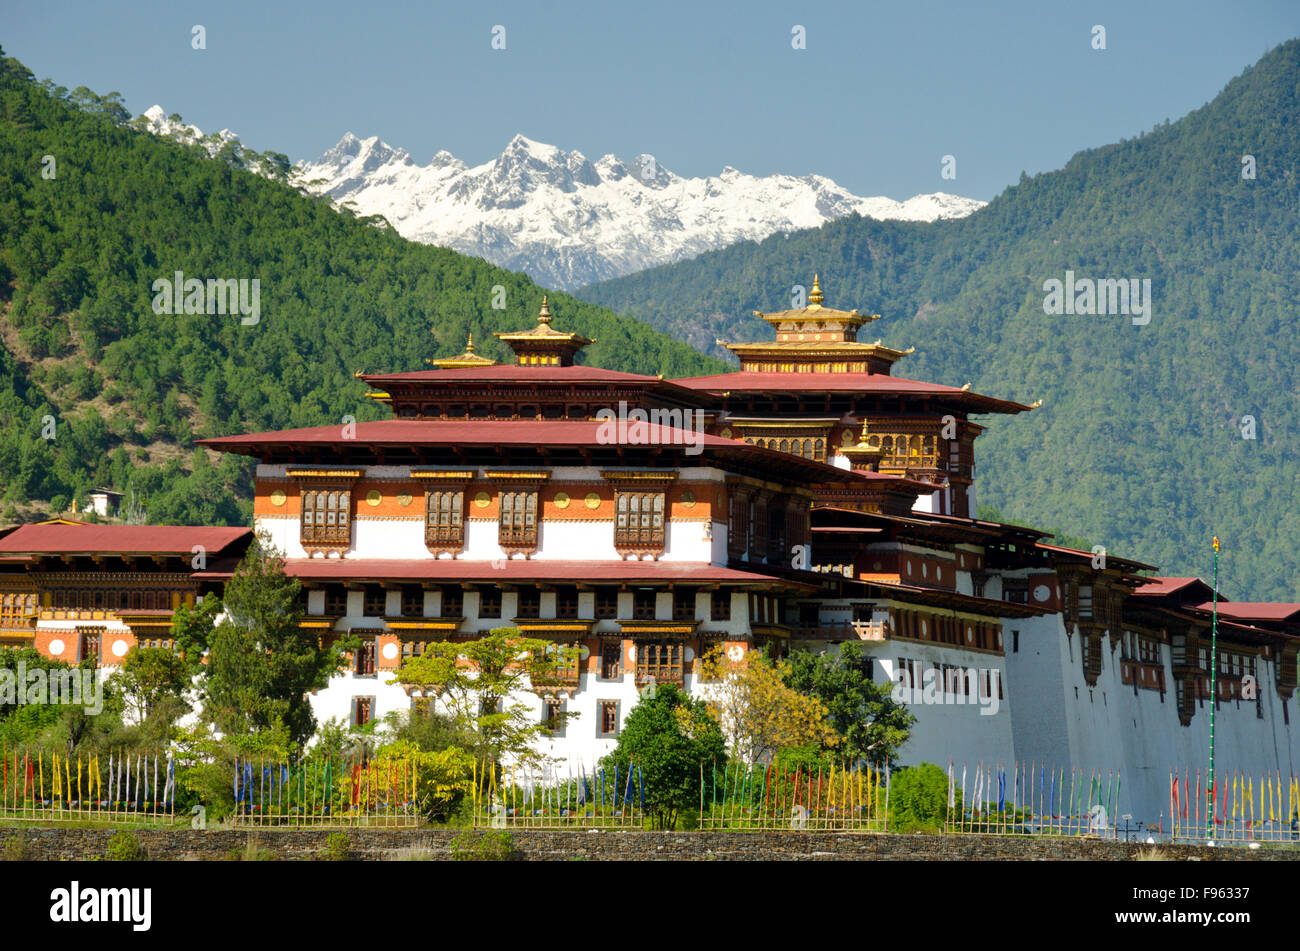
(567, 221)
(562, 219)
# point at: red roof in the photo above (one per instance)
(748, 381)
(1164, 587)
(480, 432)
(513, 371)
(1254, 610)
(1126, 562)
(119, 539)
(518, 569)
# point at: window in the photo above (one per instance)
(444, 519)
(606, 603)
(489, 603)
(336, 601)
(518, 520)
(643, 604)
(611, 660)
(376, 602)
(608, 718)
(530, 603)
(412, 602)
(737, 525)
(1085, 601)
(1015, 642)
(683, 604)
(89, 638)
(364, 663)
(326, 517)
(566, 603)
(720, 606)
(639, 520)
(363, 709)
(453, 603)
(552, 710)
(412, 648)
(660, 661)
(1015, 590)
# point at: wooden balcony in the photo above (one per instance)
(843, 631)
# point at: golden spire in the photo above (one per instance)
(862, 439)
(469, 347)
(544, 315)
(816, 297)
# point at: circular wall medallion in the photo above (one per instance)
(403, 499)
(924, 629)
(278, 497)
(848, 439)
(1042, 592)
(688, 499)
(592, 500)
(689, 655)
(482, 500)
(736, 653)
(925, 570)
(56, 647)
(561, 500)
(726, 433)
(119, 648)
(970, 635)
(374, 497)
(631, 655)
(390, 651)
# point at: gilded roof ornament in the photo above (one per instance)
(544, 315)
(816, 297)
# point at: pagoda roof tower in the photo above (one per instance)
(543, 345)
(467, 359)
(816, 339)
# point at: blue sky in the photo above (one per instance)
(881, 93)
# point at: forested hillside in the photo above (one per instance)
(1139, 444)
(93, 212)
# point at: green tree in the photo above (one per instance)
(476, 679)
(918, 799)
(148, 677)
(261, 661)
(673, 740)
(871, 725)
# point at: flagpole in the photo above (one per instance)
(1214, 674)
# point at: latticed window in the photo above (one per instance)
(606, 603)
(737, 524)
(89, 645)
(453, 603)
(326, 516)
(660, 661)
(530, 603)
(489, 602)
(611, 659)
(683, 604)
(566, 603)
(412, 602)
(720, 606)
(444, 518)
(413, 648)
(365, 659)
(336, 601)
(639, 520)
(376, 602)
(518, 521)
(643, 605)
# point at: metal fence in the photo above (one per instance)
(1031, 799)
(742, 798)
(49, 786)
(326, 791)
(1242, 809)
(518, 797)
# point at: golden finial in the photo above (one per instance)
(544, 315)
(862, 439)
(816, 296)
(965, 387)
(469, 347)
(357, 375)
(1035, 404)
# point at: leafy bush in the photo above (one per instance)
(124, 846)
(494, 846)
(336, 849)
(918, 799)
